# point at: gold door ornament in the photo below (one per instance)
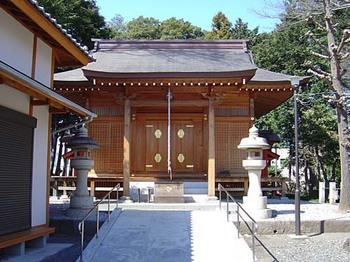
(158, 158)
(158, 133)
(181, 133)
(181, 158)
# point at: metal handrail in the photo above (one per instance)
(254, 225)
(96, 206)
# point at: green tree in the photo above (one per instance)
(81, 18)
(221, 28)
(173, 28)
(151, 28)
(240, 30)
(143, 28)
(326, 20)
(285, 50)
(117, 26)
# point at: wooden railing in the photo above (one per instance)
(241, 184)
(61, 185)
(236, 185)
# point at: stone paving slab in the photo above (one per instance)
(171, 236)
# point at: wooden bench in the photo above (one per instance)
(16, 242)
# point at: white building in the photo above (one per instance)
(278, 163)
(32, 45)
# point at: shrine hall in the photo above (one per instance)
(173, 110)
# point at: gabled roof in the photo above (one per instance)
(173, 58)
(33, 16)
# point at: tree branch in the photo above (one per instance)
(320, 73)
(320, 55)
(343, 56)
(317, 41)
(345, 39)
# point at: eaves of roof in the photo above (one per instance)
(147, 75)
(34, 17)
(38, 90)
(266, 77)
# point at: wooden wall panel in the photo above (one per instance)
(228, 135)
(138, 146)
(109, 134)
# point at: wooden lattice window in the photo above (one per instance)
(109, 135)
(108, 111)
(239, 111)
(228, 158)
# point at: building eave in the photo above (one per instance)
(40, 93)
(42, 24)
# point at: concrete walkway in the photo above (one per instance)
(167, 236)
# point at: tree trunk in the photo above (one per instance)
(342, 121)
(53, 153)
(307, 178)
(59, 157)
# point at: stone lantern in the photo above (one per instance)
(255, 202)
(82, 163)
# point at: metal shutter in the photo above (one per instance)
(16, 157)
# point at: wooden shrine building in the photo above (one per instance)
(204, 94)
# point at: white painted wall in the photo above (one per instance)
(43, 63)
(17, 51)
(16, 44)
(14, 99)
(40, 165)
(41, 135)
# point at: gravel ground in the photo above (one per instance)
(312, 248)
(308, 211)
(318, 248)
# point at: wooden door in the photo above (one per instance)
(156, 146)
(182, 146)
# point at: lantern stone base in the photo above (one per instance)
(168, 192)
(257, 207)
(81, 202)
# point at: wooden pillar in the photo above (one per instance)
(252, 111)
(92, 188)
(126, 161)
(211, 150)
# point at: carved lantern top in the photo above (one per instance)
(253, 141)
(82, 141)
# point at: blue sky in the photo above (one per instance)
(198, 12)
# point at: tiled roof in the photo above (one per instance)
(118, 57)
(64, 31)
(266, 75)
(74, 75)
(170, 60)
(263, 76)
